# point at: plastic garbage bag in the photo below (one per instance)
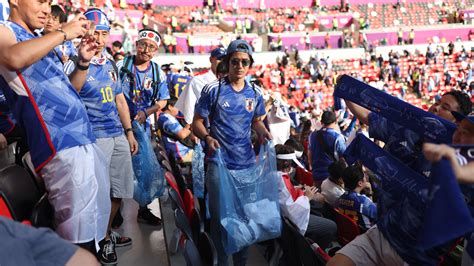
(249, 206)
(149, 180)
(198, 171)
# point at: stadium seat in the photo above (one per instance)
(191, 254)
(188, 199)
(176, 200)
(207, 250)
(196, 223)
(171, 180)
(347, 229)
(182, 223)
(43, 214)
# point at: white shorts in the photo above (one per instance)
(77, 182)
(371, 249)
(119, 160)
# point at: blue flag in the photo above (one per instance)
(432, 127)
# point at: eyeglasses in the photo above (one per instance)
(236, 62)
(144, 46)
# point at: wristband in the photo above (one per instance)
(64, 33)
(128, 130)
(81, 67)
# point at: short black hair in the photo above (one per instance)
(170, 102)
(117, 44)
(57, 12)
(351, 176)
(296, 145)
(283, 149)
(328, 117)
(463, 99)
(336, 170)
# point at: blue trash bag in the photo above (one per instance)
(198, 171)
(149, 180)
(249, 207)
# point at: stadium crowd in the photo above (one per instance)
(345, 134)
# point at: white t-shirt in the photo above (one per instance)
(331, 191)
(191, 95)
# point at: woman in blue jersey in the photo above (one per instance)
(233, 107)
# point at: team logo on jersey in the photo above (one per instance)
(113, 75)
(249, 104)
(147, 83)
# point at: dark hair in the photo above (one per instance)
(328, 118)
(117, 44)
(283, 149)
(296, 145)
(221, 68)
(57, 12)
(171, 102)
(351, 176)
(336, 170)
(464, 101)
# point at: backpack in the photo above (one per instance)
(126, 70)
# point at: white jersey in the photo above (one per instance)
(191, 95)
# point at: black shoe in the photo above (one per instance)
(145, 215)
(118, 220)
(118, 240)
(107, 254)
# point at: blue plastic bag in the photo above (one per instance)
(149, 176)
(249, 206)
(198, 171)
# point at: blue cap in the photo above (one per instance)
(239, 46)
(99, 17)
(219, 53)
(459, 117)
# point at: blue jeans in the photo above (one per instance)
(212, 183)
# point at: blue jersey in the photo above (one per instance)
(146, 90)
(98, 95)
(400, 142)
(359, 207)
(66, 49)
(4, 10)
(335, 144)
(7, 122)
(178, 84)
(231, 115)
(45, 105)
(171, 126)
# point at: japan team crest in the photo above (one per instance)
(249, 104)
(113, 75)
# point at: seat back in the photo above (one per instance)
(166, 165)
(5, 209)
(347, 229)
(288, 243)
(196, 224)
(28, 165)
(191, 254)
(176, 201)
(171, 180)
(310, 252)
(19, 190)
(43, 213)
(207, 249)
(188, 203)
(182, 223)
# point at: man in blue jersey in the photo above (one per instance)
(233, 107)
(179, 82)
(395, 237)
(146, 90)
(51, 113)
(110, 118)
(354, 204)
(173, 134)
(325, 147)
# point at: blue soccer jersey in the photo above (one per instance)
(45, 104)
(231, 115)
(7, 122)
(146, 90)
(170, 126)
(335, 144)
(66, 49)
(358, 207)
(98, 95)
(178, 84)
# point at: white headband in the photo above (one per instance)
(290, 156)
(298, 154)
(150, 35)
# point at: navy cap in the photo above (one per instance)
(459, 117)
(219, 53)
(239, 46)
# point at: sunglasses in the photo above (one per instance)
(236, 62)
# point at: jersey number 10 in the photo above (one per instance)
(107, 95)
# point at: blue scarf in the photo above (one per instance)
(433, 128)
